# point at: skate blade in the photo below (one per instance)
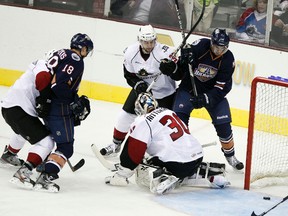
(26, 185)
(6, 165)
(50, 189)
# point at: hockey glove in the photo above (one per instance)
(120, 178)
(43, 106)
(81, 108)
(200, 101)
(168, 67)
(186, 55)
(140, 86)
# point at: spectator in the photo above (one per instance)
(161, 12)
(279, 33)
(210, 10)
(252, 23)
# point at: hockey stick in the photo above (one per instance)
(185, 39)
(191, 30)
(108, 165)
(77, 166)
(264, 213)
(114, 166)
(179, 19)
(153, 82)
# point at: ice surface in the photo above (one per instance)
(84, 192)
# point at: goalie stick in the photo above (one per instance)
(77, 166)
(114, 166)
(264, 213)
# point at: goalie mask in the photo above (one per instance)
(145, 103)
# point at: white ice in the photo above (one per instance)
(84, 192)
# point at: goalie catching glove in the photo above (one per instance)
(120, 178)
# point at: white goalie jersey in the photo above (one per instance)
(148, 70)
(165, 136)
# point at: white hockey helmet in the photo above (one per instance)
(145, 103)
(146, 33)
(49, 54)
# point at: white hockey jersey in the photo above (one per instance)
(149, 69)
(23, 92)
(166, 136)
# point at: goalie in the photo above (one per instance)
(175, 155)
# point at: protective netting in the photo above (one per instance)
(269, 164)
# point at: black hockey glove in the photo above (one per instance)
(168, 67)
(43, 105)
(81, 109)
(200, 101)
(186, 55)
(140, 86)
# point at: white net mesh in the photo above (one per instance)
(269, 164)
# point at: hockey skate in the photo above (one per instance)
(45, 183)
(22, 177)
(111, 150)
(10, 158)
(236, 164)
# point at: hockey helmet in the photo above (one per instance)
(146, 33)
(220, 37)
(145, 103)
(79, 41)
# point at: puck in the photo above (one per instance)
(266, 198)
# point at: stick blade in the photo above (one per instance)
(253, 214)
(78, 165)
(110, 166)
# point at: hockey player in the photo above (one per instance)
(20, 112)
(176, 155)
(67, 109)
(213, 66)
(141, 68)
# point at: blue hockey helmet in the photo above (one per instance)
(145, 103)
(79, 41)
(220, 37)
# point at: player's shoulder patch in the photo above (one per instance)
(194, 43)
(75, 57)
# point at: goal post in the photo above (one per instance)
(267, 141)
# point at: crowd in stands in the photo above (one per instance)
(245, 20)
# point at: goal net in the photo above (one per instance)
(267, 146)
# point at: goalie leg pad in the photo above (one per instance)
(208, 174)
(163, 184)
(211, 169)
(146, 173)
